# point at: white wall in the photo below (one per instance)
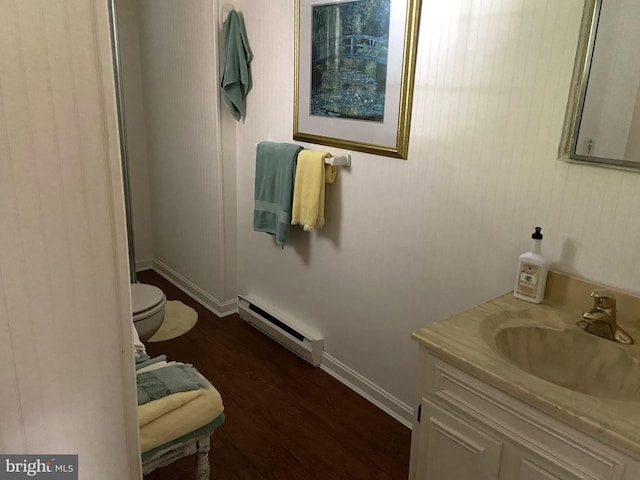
(191, 179)
(133, 93)
(66, 356)
(410, 242)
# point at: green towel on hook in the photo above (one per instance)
(236, 76)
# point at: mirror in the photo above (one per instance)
(602, 124)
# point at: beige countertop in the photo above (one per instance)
(467, 341)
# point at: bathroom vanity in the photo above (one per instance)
(511, 390)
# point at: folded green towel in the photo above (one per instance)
(273, 195)
(236, 76)
(145, 360)
(164, 381)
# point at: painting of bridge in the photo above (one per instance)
(349, 54)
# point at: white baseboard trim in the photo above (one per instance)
(144, 265)
(367, 389)
(221, 309)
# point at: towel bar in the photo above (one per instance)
(343, 160)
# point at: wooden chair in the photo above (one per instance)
(199, 446)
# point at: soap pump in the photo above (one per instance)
(531, 276)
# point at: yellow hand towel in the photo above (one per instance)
(308, 190)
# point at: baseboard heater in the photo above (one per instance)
(286, 331)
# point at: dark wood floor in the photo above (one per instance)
(284, 419)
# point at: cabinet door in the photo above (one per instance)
(527, 463)
(535, 468)
(532, 469)
(453, 449)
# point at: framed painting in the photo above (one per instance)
(354, 71)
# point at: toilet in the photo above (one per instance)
(148, 309)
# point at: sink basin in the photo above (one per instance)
(572, 359)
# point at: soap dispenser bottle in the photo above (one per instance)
(531, 276)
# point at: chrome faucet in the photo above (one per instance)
(601, 319)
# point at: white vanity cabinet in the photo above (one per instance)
(465, 429)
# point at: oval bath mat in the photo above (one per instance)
(178, 320)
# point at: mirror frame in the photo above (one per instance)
(577, 93)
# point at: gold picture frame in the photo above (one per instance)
(354, 73)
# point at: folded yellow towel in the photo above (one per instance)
(176, 422)
(308, 190)
(154, 409)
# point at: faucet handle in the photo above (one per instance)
(603, 298)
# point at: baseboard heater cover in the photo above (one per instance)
(300, 339)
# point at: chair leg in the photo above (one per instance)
(203, 469)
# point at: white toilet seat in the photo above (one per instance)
(147, 304)
(148, 313)
(146, 300)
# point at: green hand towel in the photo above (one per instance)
(236, 76)
(275, 174)
(167, 380)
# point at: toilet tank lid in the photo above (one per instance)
(144, 297)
